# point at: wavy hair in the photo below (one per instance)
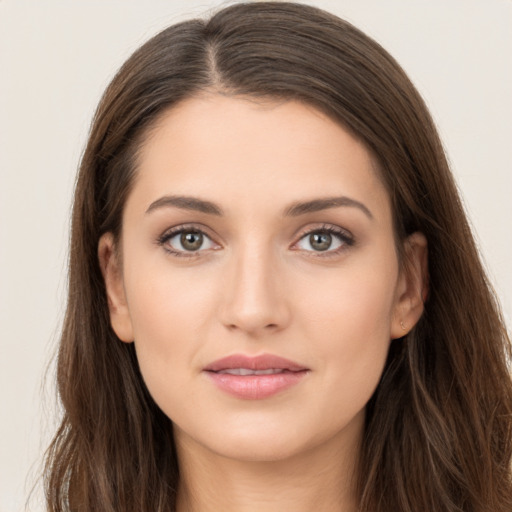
(438, 431)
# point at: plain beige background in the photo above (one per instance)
(56, 57)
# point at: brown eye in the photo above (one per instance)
(191, 240)
(320, 241)
(329, 239)
(185, 241)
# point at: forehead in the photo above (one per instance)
(243, 151)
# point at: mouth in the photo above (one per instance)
(255, 378)
(246, 371)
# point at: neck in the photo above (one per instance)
(321, 480)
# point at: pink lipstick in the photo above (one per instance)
(255, 378)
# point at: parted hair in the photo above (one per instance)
(438, 429)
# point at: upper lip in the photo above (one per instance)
(261, 362)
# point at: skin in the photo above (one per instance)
(257, 285)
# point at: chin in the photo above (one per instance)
(259, 448)
(267, 439)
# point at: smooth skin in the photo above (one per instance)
(257, 281)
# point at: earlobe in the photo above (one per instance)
(412, 289)
(114, 285)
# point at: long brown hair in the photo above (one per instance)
(438, 433)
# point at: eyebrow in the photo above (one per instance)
(186, 203)
(294, 210)
(324, 203)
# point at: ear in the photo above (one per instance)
(412, 289)
(114, 284)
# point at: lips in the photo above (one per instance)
(261, 362)
(254, 378)
(245, 371)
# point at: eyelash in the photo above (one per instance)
(344, 236)
(347, 240)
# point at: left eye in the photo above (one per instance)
(322, 240)
(191, 241)
(187, 240)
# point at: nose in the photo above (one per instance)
(254, 298)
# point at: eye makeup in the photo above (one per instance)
(192, 239)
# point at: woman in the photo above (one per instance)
(275, 298)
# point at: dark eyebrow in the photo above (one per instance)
(315, 205)
(186, 203)
(294, 210)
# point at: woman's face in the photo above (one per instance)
(259, 277)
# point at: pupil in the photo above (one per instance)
(192, 240)
(320, 241)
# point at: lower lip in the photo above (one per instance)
(256, 387)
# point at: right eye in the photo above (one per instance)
(185, 242)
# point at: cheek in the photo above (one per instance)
(351, 325)
(168, 310)
(355, 303)
(165, 302)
